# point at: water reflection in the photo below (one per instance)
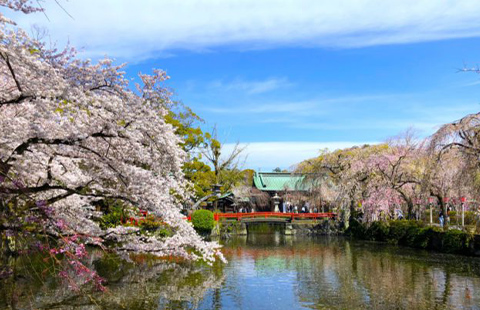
(284, 272)
(151, 284)
(273, 271)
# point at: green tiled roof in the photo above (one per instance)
(279, 181)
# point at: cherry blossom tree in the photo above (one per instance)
(445, 176)
(455, 154)
(73, 133)
(399, 169)
(346, 174)
(382, 177)
(402, 171)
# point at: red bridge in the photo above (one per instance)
(272, 216)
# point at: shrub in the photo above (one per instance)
(151, 225)
(378, 231)
(203, 221)
(456, 217)
(116, 211)
(423, 237)
(470, 218)
(401, 231)
(456, 241)
(414, 234)
(356, 229)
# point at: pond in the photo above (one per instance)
(273, 271)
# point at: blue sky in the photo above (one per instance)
(289, 78)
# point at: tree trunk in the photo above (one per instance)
(409, 202)
(195, 206)
(443, 206)
(410, 206)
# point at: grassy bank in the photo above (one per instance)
(416, 234)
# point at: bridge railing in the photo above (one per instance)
(293, 216)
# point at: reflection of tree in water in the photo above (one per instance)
(152, 285)
(356, 278)
(318, 272)
(338, 274)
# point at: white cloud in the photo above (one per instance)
(319, 106)
(251, 87)
(475, 83)
(426, 119)
(269, 155)
(427, 127)
(388, 113)
(291, 108)
(151, 28)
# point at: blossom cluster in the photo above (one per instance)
(73, 133)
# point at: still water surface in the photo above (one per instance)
(272, 271)
(277, 272)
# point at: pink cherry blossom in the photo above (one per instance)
(73, 132)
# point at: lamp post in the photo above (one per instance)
(276, 202)
(463, 199)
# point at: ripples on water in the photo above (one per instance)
(272, 271)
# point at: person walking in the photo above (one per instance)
(399, 214)
(441, 218)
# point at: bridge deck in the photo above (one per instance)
(271, 216)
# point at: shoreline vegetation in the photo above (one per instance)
(417, 235)
(409, 233)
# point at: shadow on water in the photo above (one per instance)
(274, 271)
(265, 228)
